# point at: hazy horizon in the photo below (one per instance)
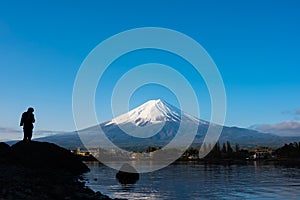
(44, 133)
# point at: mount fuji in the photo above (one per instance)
(156, 123)
(153, 112)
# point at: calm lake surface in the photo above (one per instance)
(196, 181)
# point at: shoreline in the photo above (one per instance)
(41, 170)
(24, 183)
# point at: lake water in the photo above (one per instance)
(195, 181)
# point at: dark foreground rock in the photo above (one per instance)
(44, 155)
(36, 170)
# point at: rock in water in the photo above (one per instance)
(127, 175)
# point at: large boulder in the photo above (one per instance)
(44, 155)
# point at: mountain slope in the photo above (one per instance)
(156, 123)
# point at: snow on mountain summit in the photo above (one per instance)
(153, 111)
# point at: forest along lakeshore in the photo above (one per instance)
(288, 154)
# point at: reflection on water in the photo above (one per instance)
(194, 181)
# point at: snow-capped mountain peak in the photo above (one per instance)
(151, 112)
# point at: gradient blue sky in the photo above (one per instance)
(255, 44)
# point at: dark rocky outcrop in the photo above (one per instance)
(40, 170)
(45, 155)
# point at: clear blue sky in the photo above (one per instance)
(255, 44)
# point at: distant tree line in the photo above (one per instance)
(291, 150)
(218, 152)
(229, 152)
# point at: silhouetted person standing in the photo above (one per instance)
(27, 121)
